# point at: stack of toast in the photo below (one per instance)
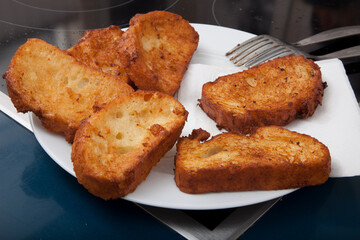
(257, 153)
(111, 96)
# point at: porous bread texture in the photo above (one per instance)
(115, 149)
(97, 49)
(58, 89)
(156, 50)
(274, 93)
(272, 158)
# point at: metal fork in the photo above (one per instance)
(262, 48)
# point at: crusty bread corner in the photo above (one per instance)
(274, 93)
(115, 149)
(97, 49)
(272, 158)
(156, 50)
(60, 90)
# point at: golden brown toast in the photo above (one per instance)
(274, 93)
(97, 49)
(156, 50)
(270, 159)
(115, 149)
(60, 90)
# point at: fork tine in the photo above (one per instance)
(268, 56)
(250, 51)
(269, 52)
(254, 53)
(260, 49)
(249, 41)
(241, 49)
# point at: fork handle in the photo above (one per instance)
(328, 35)
(342, 54)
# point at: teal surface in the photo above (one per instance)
(39, 200)
(329, 211)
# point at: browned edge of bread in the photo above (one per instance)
(151, 122)
(156, 50)
(283, 101)
(273, 158)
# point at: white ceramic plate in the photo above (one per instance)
(159, 188)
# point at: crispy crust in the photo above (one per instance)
(156, 50)
(274, 93)
(59, 90)
(115, 149)
(272, 158)
(97, 49)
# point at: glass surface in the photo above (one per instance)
(40, 200)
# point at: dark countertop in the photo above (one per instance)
(39, 200)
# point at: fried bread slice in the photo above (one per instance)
(59, 90)
(115, 149)
(97, 49)
(270, 159)
(156, 50)
(274, 93)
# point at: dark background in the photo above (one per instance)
(67, 214)
(62, 22)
